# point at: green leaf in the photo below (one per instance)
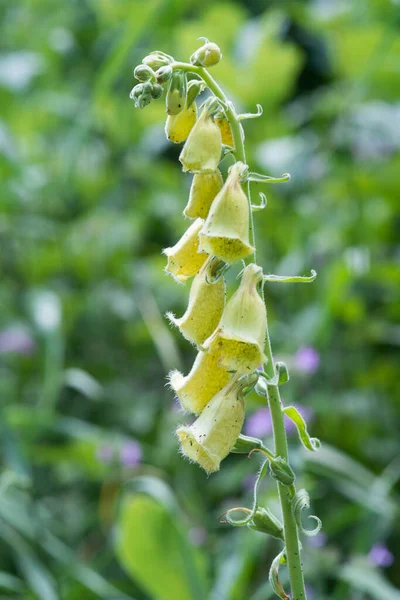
(308, 442)
(150, 547)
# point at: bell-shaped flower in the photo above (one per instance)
(214, 433)
(185, 259)
(206, 378)
(225, 233)
(226, 131)
(206, 304)
(202, 150)
(178, 127)
(204, 188)
(240, 337)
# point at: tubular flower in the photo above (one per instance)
(239, 340)
(206, 304)
(205, 379)
(178, 127)
(214, 433)
(204, 188)
(226, 132)
(226, 230)
(202, 150)
(184, 259)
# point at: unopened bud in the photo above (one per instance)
(156, 91)
(265, 522)
(177, 92)
(207, 56)
(155, 60)
(245, 444)
(143, 73)
(163, 74)
(281, 471)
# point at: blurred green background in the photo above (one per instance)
(95, 501)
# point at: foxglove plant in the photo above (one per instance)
(234, 354)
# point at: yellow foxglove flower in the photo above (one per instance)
(184, 259)
(178, 127)
(226, 132)
(240, 337)
(214, 433)
(226, 231)
(206, 304)
(205, 379)
(204, 188)
(202, 150)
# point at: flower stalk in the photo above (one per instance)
(227, 365)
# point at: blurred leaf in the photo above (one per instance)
(369, 580)
(150, 548)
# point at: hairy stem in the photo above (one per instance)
(286, 493)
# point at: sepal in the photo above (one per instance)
(300, 502)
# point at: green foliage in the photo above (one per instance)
(91, 192)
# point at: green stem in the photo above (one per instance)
(286, 493)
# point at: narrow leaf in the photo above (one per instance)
(291, 278)
(308, 442)
(274, 576)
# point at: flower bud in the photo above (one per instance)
(156, 91)
(206, 378)
(155, 60)
(226, 132)
(178, 127)
(202, 151)
(163, 74)
(264, 521)
(204, 188)
(206, 303)
(240, 337)
(207, 56)
(143, 72)
(177, 93)
(245, 444)
(184, 259)
(209, 440)
(281, 471)
(195, 87)
(226, 231)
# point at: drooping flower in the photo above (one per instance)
(214, 433)
(176, 96)
(202, 150)
(206, 378)
(226, 230)
(204, 188)
(239, 339)
(178, 127)
(206, 304)
(184, 259)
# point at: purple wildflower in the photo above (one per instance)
(380, 555)
(259, 424)
(16, 340)
(131, 454)
(307, 360)
(319, 540)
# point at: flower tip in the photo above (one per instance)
(195, 452)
